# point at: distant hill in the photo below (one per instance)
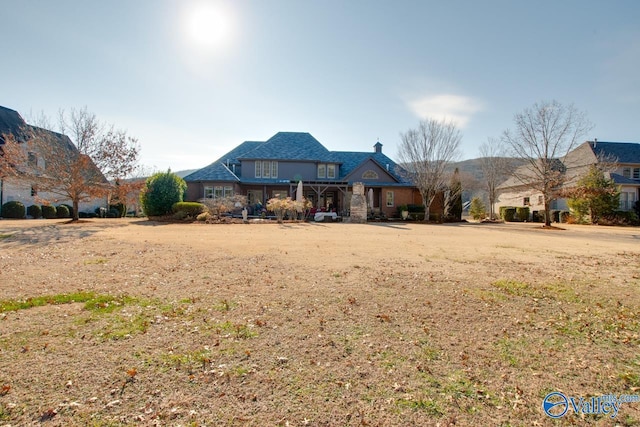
(185, 172)
(472, 177)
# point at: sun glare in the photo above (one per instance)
(207, 25)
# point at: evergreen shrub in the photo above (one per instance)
(14, 210)
(49, 211)
(34, 211)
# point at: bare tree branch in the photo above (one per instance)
(425, 153)
(543, 136)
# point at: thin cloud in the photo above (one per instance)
(457, 108)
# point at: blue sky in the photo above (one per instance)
(191, 81)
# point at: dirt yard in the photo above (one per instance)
(132, 322)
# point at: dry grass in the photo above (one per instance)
(117, 323)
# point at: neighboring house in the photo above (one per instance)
(626, 173)
(262, 170)
(18, 189)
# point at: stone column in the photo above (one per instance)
(358, 204)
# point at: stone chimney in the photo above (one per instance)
(358, 208)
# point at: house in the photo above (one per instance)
(261, 170)
(21, 189)
(624, 156)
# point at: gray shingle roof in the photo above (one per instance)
(296, 146)
(621, 180)
(11, 123)
(289, 146)
(218, 170)
(350, 160)
(625, 152)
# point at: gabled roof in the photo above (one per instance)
(289, 146)
(625, 152)
(351, 160)
(11, 123)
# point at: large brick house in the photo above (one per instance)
(261, 170)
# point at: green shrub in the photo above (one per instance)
(113, 213)
(14, 209)
(49, 212)
(62, 211)
(620, 218)
(477, 209)
(192, 209)
(34, 211)
(522, 213)
(70, 208)
(119, 208)
(161, 191)
(508, 213)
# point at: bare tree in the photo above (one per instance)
(113, 152)
(543, 136)
(425, 153)
(494, 166)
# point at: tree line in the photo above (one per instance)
(540, 139)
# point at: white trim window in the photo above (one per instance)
(627, 200)
(331, 171)
(390, 199)
(228, 191)
(208, 192)
(266, 169)
(322, 170)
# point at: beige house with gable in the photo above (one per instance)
(626, 173)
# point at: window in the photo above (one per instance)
(228, 191)
(389, 199)
(34, 191)
(331, 171)
(540, 200)
(322, 171)
(526, 201)
(217, 192)
(626, 172)
(627, 200)
(208, 192)
(370, 174)
(266, 169)
(254, 196)
(636, 173)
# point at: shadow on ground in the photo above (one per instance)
(36, 233)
